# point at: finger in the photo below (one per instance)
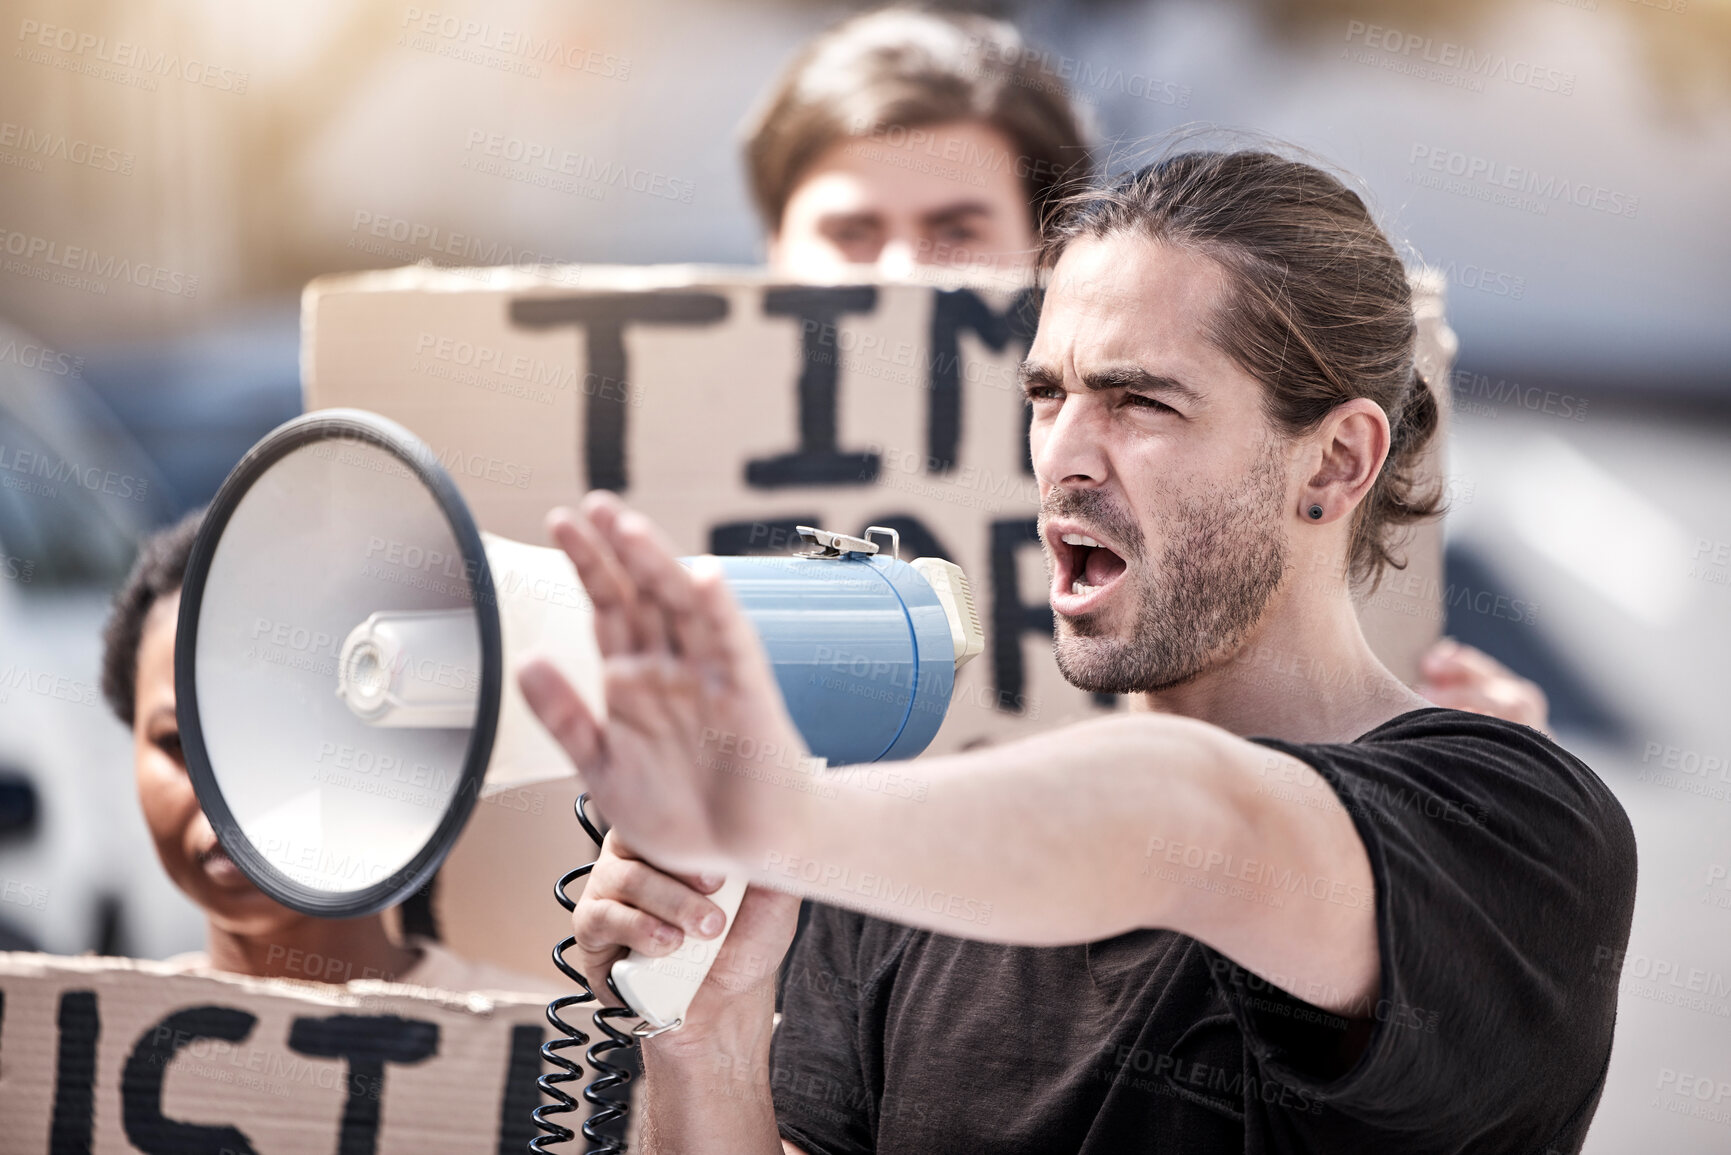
(649, 558)
(640, 885)
(1474, 662)
(1447, 675)
(1441, 660)
(562, 710)
(1503, 699)
(707, 882)
(1473, 680)
(603, 926)
(604, 511)
(605, 580)
(594, 967)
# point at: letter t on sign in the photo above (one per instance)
(606, 392)
(368, 1042)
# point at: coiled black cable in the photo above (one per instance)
(608, 1110)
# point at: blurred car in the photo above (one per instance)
(77, 871)
(195, 402)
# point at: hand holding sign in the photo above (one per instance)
(692, 703)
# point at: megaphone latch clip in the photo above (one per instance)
(823, 543)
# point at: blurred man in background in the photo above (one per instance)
(903, 138)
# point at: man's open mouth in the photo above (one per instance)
(1084, 569)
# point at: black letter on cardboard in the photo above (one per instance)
(141, 1084)
(522, 1095)
(955, 310)
(606, 388)
(816, 461)
(75, 1078)
(368, 1042)
(1010, 618)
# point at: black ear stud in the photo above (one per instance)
(1316, 513)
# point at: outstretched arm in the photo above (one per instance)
(1140, 821)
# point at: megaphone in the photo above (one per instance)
(345, 653)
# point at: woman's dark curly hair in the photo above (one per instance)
(158, 573)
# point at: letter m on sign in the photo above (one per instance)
(953, 312)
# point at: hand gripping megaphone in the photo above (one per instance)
(345, 654)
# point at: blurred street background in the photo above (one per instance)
(1576, 195)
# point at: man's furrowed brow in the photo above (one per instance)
(1033, 374)
(1139, 380)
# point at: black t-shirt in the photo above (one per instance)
(1505, 881)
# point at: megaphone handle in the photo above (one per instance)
(660, 989)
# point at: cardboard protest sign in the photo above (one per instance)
(731, 407)
(116, 1056)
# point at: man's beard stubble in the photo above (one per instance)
(1222, 561)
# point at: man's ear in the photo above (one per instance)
(1349, 449)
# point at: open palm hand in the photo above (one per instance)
(693, 711)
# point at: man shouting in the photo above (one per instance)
(1284, 906)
